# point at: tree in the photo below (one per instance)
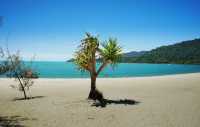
(14, 67)
(90, 52)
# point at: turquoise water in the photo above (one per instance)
(68, 70)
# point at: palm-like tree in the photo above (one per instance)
(90, 51)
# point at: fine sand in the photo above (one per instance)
(163, 101)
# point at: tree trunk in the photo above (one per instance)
(23, 89)
(93, 87)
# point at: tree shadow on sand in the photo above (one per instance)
(12, 121)
(99, 100)
(35, 97)
(106, 102)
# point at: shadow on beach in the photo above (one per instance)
(12, 121)
(35, 97)
(106, 102)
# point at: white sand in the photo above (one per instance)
(165, 101)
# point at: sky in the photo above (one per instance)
(51, 30)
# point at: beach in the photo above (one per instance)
(162, 101)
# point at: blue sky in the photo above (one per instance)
(52, 29)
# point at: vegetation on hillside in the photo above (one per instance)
(186, 52)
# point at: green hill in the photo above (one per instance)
(186, 52)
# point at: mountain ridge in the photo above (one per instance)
(185, 52)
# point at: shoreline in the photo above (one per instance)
(131, 77)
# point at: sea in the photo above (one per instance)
(47, 69)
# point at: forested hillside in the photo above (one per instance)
(186, 52)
